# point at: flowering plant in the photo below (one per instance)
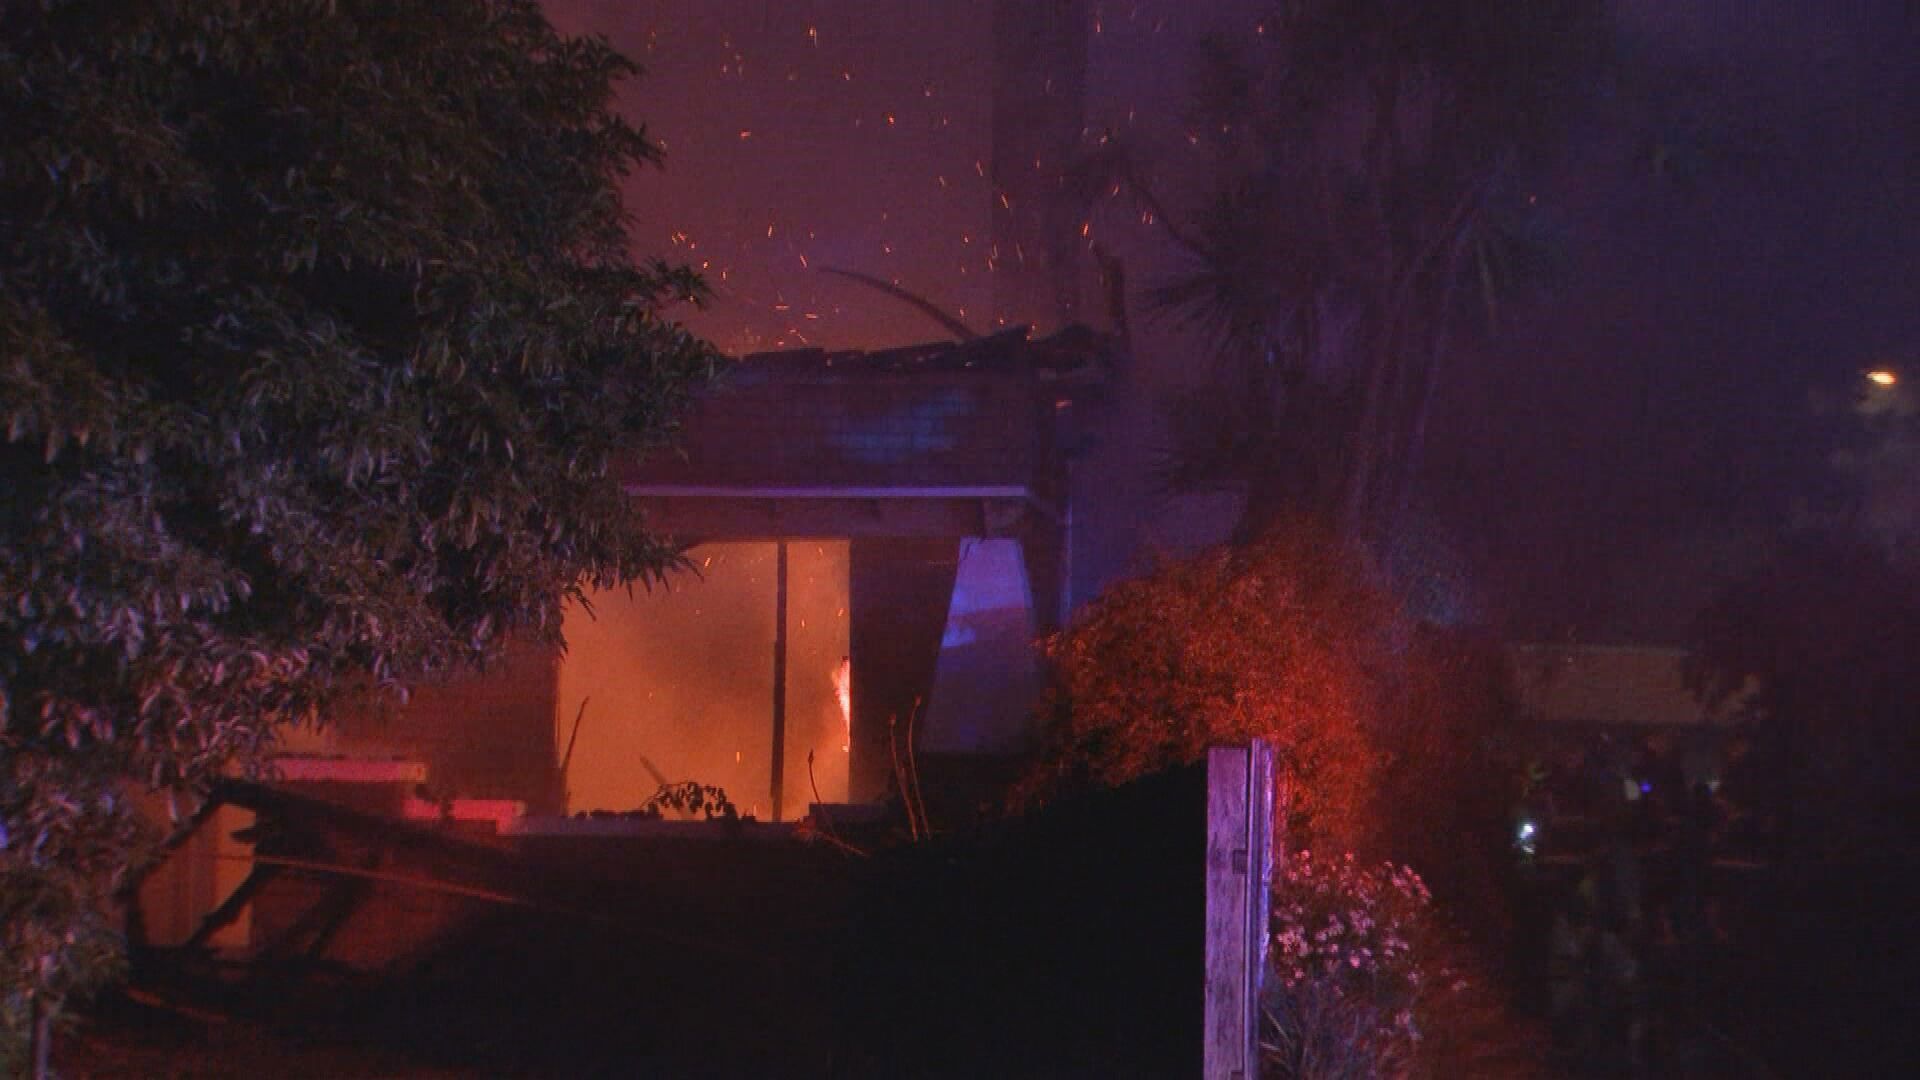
(1346, 967)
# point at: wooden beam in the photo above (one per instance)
(765, 519)
(236, 902)
(779, 675)
(1238, 875)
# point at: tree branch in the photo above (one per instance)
(961, 331)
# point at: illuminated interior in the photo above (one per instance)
(678, 683)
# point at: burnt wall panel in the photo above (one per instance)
(486, 735)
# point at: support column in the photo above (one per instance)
(779, 764)
(899, 593)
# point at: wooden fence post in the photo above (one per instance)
(1239, 873)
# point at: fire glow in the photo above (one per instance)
(679, 683)
(843, 693)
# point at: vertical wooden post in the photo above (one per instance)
(1266, 802)
(779, 675)
(1239, 873)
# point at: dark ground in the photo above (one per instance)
(122, 1038)
(1068, 944)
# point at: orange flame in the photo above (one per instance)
(843, 692)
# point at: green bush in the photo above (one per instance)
(322, 332)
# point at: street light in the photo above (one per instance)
(1882, 377)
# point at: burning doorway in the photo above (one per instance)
(678, 683)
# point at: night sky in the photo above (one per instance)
(1623, 446)
(1646, 433)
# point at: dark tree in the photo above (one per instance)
(1818, 648)
(1815, 646)
(1367, 206)
(319, 329)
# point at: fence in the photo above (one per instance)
(1239, 877)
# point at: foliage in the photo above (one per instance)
(1288, 639)
(1392, 740)
(319, 331)
(1345, 934)
(1368, 201)
(1878, 463)
(1363, 981)
(1817, 647)
(1453, 772)
(57, 940)
(1392, 737)
(1811, 650)
(688, 798)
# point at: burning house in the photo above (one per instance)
(876, 540)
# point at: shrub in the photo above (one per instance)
(1346, 979)
(1365, 980)
(1389, 733)
(1289, 639)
